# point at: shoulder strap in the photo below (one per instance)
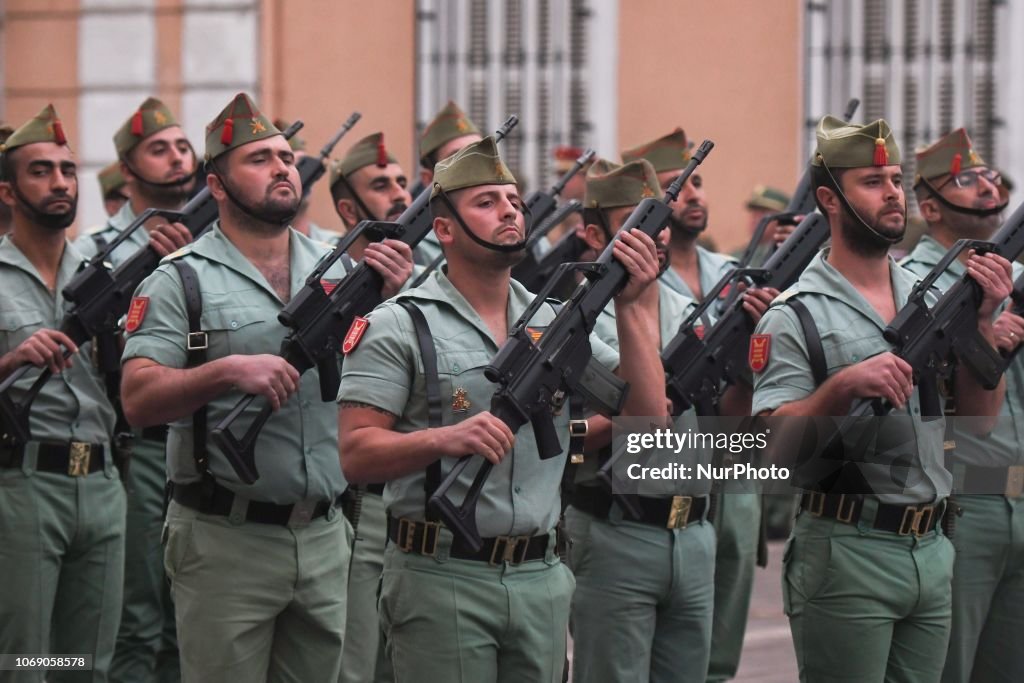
(100, 241)
(196, 343)
(346, 261)
(428, 352)
(815, 351)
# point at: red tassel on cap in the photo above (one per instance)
(881, 153)
(382, 153)
(954, 166)
(228, 134)
(58, 132)
(137, 123)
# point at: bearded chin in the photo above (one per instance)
(52, 221)
(864, 242)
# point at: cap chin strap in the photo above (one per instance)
(248, 210)
(169, 184)
(47, 220)
(849, 209)
(980, 213)
(502, 248)
(359, 202)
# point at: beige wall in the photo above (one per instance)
(322, 65)
(727, 70)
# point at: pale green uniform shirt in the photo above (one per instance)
(385, 370)
(850, 331)
(297, 450)
(86, 244)
(72, 405)
(328, 237)
(1005, 445)
(713, 267)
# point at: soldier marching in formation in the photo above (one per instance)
(133, 533)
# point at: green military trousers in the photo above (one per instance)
(867, 606)
(644, 599)
(464, 621)
(147, 649)
(737, 525)
(362, 627)
(62, 567)
(257, 602)
(986, 642)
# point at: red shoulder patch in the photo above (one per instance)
(136, 313)
(328, 286)
(355, 333)
(536, 333)
(699, 331)
(760, 345)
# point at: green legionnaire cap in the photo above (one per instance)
(295, 142)
(610, 185)
(847, 145)
(110, 178)
(152, 116)
(949, 155)
(450, 123)
(668, 153)
(768, 198)
(43, 127)
(240, 123)
(5, 132)
(475, 164)
(369, 150)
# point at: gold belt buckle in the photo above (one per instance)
(78, 459)
(847, 517)
(916, 520)
(1014, 481)
(679, 514)
(509, 546)
(817, 506)
(577, 429)
(428, 547)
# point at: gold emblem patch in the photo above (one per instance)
(460, 401)
(159, 117)
(257, 126)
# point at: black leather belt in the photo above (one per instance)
(1007, 481)
(155, 433)
(899, 519)
(667, 512)
(421, 538)
(213, 499)
(74, 458)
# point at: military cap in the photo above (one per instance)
(110, 178)
(610, 185)
(295, 142)
(5, 132)
(668, 153)
(848, 145)
(152, 116)
(768, 198)
(450, 123)
(369, 150)
(566, 156)
(43, 127)
(475, 164)
(239, 123)
(949, 155)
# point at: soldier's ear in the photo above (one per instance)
(216, 187)
(444, 228)
(828, 199)
(593, 235)
(346, 208)
(6, 193)
(929, 210)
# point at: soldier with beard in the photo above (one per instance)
(961, 197)
(203, 332)
(451, 613)
(367, 184)
(866, 574)
(63, 521)
(158, 165)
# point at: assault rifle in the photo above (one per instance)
(319, 319)
(533, 377)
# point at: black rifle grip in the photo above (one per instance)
(330, 378)
(548, 445)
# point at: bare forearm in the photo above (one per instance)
(830, 399)
(375, 454)
(640, 365)
(155, 394)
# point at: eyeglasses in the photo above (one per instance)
(969, 178)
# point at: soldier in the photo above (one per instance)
(63, 523)
(867, 571)
(764, 201)
(302, 222)
(565, 157)
(737, 515)
(449, 613)
(203, 333)
(367, 184)
(5, 211)
(112, 187)
(446, 134)
(158, 166)
(961, 197)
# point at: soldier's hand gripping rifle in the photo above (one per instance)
(100, 295)
(801, 204)
(320, 318)
(532, 377)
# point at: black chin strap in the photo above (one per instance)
(980, 213)
(849, 209)
(248, 211)
(169, 184)
(38, 217)
(359, 202)
(502, 248)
